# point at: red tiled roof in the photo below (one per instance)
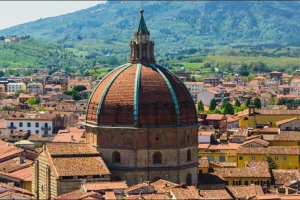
(162, 186)
(203, 162)
(118, 101)
(105, 186)
(278, 123)
(244, 191)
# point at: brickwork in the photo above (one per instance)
(137, 147)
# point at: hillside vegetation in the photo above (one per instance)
(32, 53)
(175, 25)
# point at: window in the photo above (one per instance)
(297, 128)
(284, 158)
(298, 143)
(157, 158)
(288, 128)
(200, 171)
(222, 159)
(245, 118)
(116, 157)
(20, 124)
(276, 158)
(28, 124)
(226, 182)
(37, 124)
(37, 131)
(11, 131)
(46, 132)
(255, 182)
(264, 183)
(236, 182)
(241, 158)
(11, 124)
(0, 132)
(253, 158)
(189, 179)
(246, 183)
(210, 158)
(188, 155)
(29, 131)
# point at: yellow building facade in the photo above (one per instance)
(286, 157)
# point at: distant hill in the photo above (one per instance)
(175, 25)
(33, 53)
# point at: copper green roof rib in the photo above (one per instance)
(142, 28)
(136, 95)
(107, 87)
(98, 86)
(172, 92)
(186, 89)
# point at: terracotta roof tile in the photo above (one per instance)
(265, 130)
(190, 192)
(242, 132)
(278, 123)
(23, 174)
(78, 194)
(162, 186)
(215, 116)
(148, 196)
(214, 194)
(11, 165)
(110, 195)
(284, 136)
(244, 191)
(203, 162)
(242, 172)
(258, 141)
(105, 186)
(272, 150)
(16, 189)
(137, 186)
(284, 176)
(228, 146)
(56, 149)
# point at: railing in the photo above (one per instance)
(11, 127)
(46, 127)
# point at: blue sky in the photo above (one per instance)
(18, 12)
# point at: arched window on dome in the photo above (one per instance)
(189, 179)
(188, 155)
(157, 158)
(116, 157)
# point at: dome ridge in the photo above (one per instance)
(108, 86)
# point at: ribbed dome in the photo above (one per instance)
(141, 95)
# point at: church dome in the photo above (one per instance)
(141, 93)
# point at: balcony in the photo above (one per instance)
(46, 127)
(11, 127)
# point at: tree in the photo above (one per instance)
(33, 101)
(257, 103)
(224, 102)
(212, 105)
(228, 109)
(237, 103)
(79, 88)
(272, 101)
(228, 77)
(74, 94)
(271, 162)
(200, 106)
(247, 103)
(1, 73)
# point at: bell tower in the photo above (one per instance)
(142, 48)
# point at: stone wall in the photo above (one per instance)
(137, 147)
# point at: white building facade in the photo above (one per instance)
(31, 123)
(13, 87)
(194, 86)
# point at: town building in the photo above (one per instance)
(194, 86)
(75, 82)
(238, 79)
(85, 94)
(13, 87)
(218, 121)
(153, 131)
(207, 96)
(286, 157)
(60, 168)
(214, 81)
(276, 75)
(35, 88)
(53, 89)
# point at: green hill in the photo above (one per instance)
(175, 25)
(33, 53)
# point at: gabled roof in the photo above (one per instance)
(258, 141)
(278, 123)
(162, 186)
(244, 191)
(284, 176)
(105, 186)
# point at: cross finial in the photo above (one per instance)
(141, 5)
